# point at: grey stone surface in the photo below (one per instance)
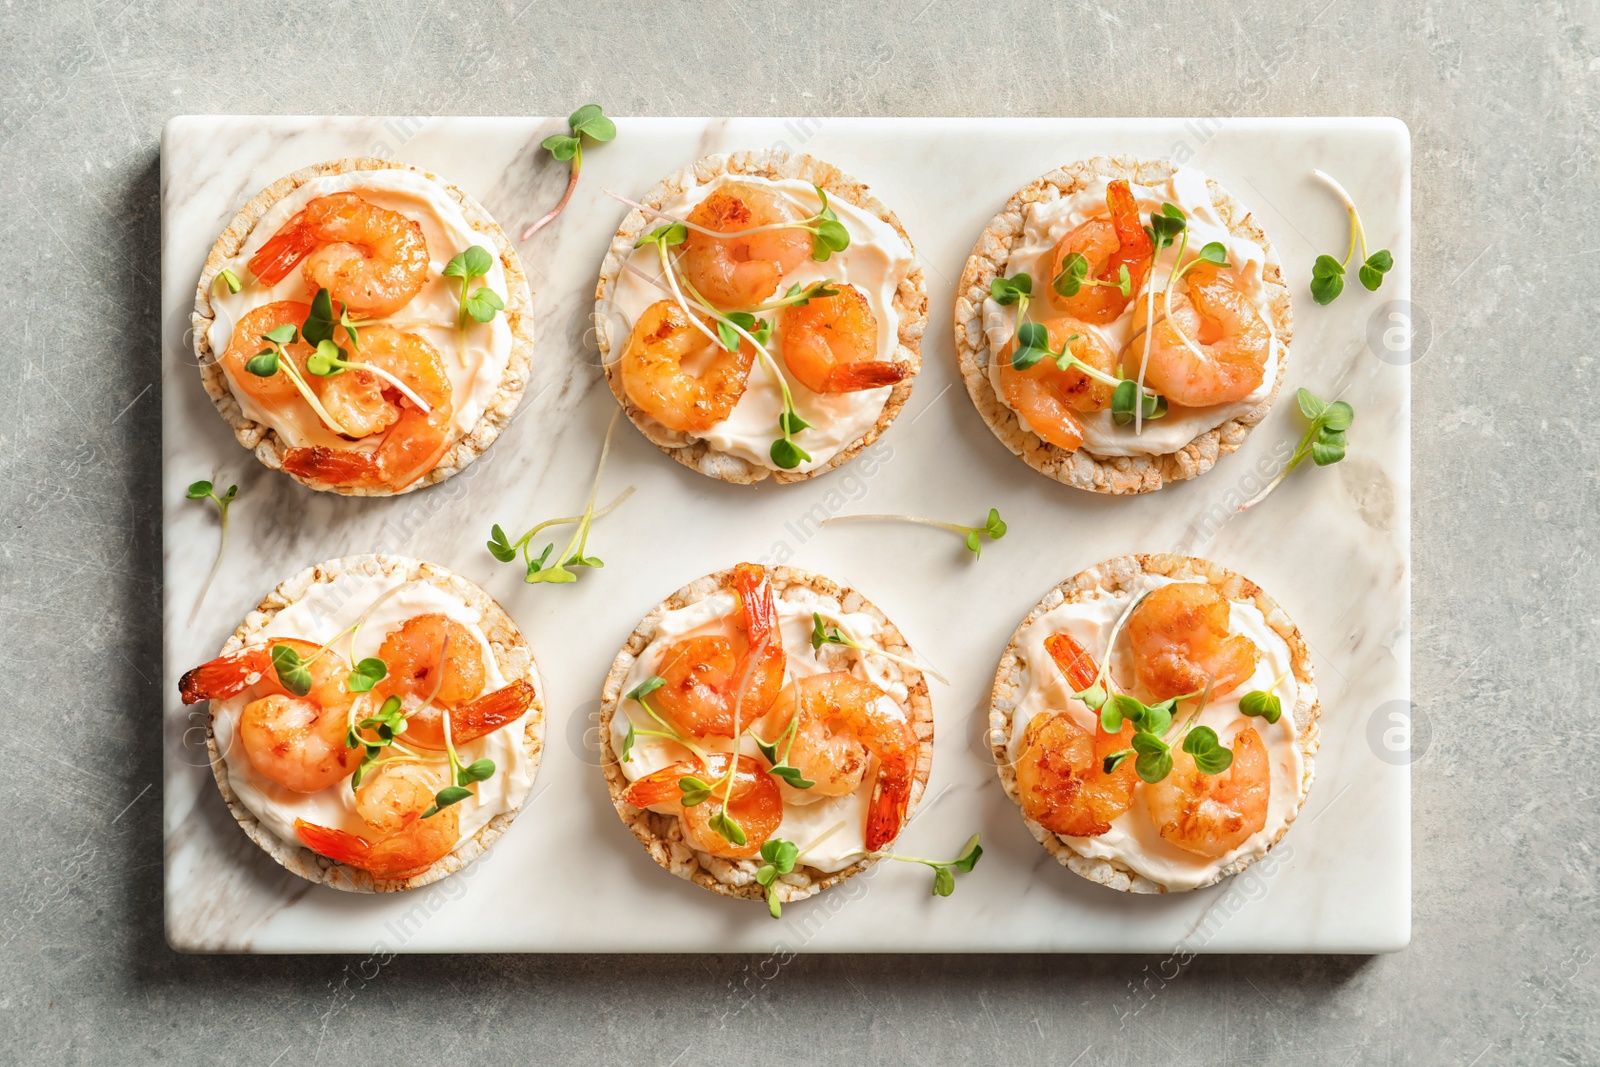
(1502, 105)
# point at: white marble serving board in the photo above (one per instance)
(1332, 546)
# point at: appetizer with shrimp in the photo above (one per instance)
(760, 315)
(364, 326)
(1122, 324)
(374, 724)
(1155, 718)
(768, 733)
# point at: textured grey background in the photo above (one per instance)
(1502, 107)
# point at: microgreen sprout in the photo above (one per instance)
(1327, 273)
(828, 235)
(273, 358)
(540, 569)
(481, 303)
(1167, 226)
(640, 694)
(1264, 703)
(373, 734)
(993, 527)
(1074, 275)
(227, 278)
(293, 672)
(822, 634)
(781, 767)
(203, 490)
(944, 871)
(1324, 439)
(323, 325)
(778, 858)
(588, 121)
(366, 674)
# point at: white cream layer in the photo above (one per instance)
(1045, 223)
(1133, 839)
(324, 611)
(830, 831)
(876, 262)
(476, 359)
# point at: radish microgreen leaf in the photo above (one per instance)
(1324, 440)
(588, 121)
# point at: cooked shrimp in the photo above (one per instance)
(844, 725)
(1180, 640)
(413, 440)
(373, 259)
(1050, 398)
(434, 656)
(703, 675)
(755, 803)
(1061, 776)
(276, 393)
(742, 271)
(1231, 341)
(391, 803)
(677, 375)
(1108, 245)
(1213, 814)
(296, 741)
(831, 344)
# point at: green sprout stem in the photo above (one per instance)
(580, 536)
(550, 216)
(523, 541)
(588, 121)
(222, 503)
(1357, 231)
(1318, 433)
(969, 533)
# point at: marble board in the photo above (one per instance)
(1332, 545)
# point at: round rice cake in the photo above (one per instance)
(262, 439)
(1081, 469)
(662, 834)
(1123, 576)
(910, 304)
(512, 656)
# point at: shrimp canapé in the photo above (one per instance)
(830, 344)
(845, 725)
(678, 375)
(1051, 399)
(754, 802)
(1213, 814)
(713, 681)
(1108, 244)
(373, 259)
(1061, 778)
(411, 441)
(1181, 642)
(1210, 346)
(434, 668)
(742, 270)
